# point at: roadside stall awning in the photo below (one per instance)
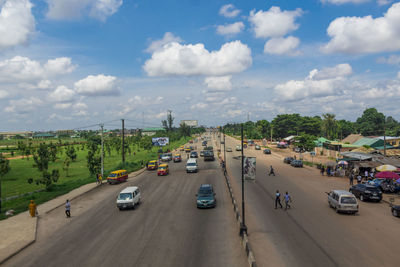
(367, 164)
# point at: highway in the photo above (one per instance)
(311, 233)
(165, 230)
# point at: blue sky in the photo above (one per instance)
(71, 63)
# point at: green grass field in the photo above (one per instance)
(15, 182)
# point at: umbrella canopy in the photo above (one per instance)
(398, 180)
(384, 168)
(343, 162)
(387, 175)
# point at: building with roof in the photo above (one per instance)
(8, 135)
(391, 140)
(352, 138)
(43, 135)
(371, 142)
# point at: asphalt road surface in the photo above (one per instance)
(165, 230)
(311, 233)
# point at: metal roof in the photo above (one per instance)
(356, 155)
(372, 142)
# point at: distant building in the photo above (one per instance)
(391, 140)
(376, 143)
(65, 133)
(152, 130)
(43, 136)
(352, 138)
(8, 135)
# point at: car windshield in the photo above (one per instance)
(125, 196)
(161, 168)
(112, 175)
(348, 200)
(191, 164)
(205, 193)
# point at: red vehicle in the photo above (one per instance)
(177, 158)
(163, 169)
(117, 177)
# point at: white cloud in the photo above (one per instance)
(62, 105)
(61, 94)
(222, 83)
(58, 117)
(17, 23)
(24, 105)
(384, 2)
(398, 75)
(230, 29)
(229, 11)
(19, 69)
(177, 59)
(391, 60)
(3, 94)
(200, 106)
(340, 2)
(80, 106)
(157, 44)
(44, 84)
(282, 46)
(99, 85)
(73, 9)
(328, 81)
(274, 22)
(356, 35)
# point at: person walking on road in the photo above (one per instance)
(359, 179)
(322, 170)
(278, 199)
(271, 171)
(68, 209)
(287, 199)
(351, 178)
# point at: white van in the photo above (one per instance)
(128, 198)
(342, 201)
(191, 165)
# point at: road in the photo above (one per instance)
(165, 230)
(310, 234)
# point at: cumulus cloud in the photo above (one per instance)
(355, 35)
(157, 44)
(398, 75)
(200, 106)
(322, 83)
(73, 9)
(229, 11)
(391, 60)
(340, 2)
(100, 85)
(282, 46)
(222, 83)
(3, 94)
(44, 84)
(384, 2)
(230, 29)
(274, 22)
(62, 105)
(61, 94)
(24, 105)
(18, 69)
(177, 59)
(17, 23)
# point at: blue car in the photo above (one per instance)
(206, 197)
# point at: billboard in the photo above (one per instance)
(160, 141)
(249, 168)
(191, 123)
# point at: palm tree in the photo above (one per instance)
(329, 125)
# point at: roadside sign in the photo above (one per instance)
(249, 168)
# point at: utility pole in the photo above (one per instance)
(384, 137)
(224, 149)
(243, 227)
(123, 140)
(271, 134)
(102, 150)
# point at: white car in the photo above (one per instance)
(228, 149)
(342, 201)
(128, 198)
(191, 165)
(238, 148)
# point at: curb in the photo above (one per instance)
(245, 241)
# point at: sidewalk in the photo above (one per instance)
(19, 231)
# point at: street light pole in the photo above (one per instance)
(224, 150)
(243, 227)
(102, 150)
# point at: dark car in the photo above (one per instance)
(257, 147)
(288, 160)
(267, 151)
(208, 155)
(396, 210)
(297, 163)
(366, 192)
(206, 196)
(194, 154)
(204, 143)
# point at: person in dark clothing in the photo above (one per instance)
(322, 170)
(68, 209)
(278, 199)
(351, 178)
(271, 171)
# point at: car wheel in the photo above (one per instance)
(362, 197)
(350, 191)
(336, 209)
(120, 208)
(395, 213)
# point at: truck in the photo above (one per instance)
(208, 155)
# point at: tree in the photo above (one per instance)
(53, 152)
(345, 128)
(285, 125)
(93, 157)
(67, 162)
(306, 141)
(329, 126)
(71, 153)
(264, 128)
(4, 169)
(184, 129)
(42, 158)
(170, 120)
(371, 122)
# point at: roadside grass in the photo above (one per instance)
(15, 183)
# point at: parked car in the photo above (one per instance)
(238, 148)
(205, 197)
(257, 147)
(376, 182)
(342, 201)
(297, 163)
(288, 160)
(395, 210)
(366, 192)
(177, 158)
(228, 149)
(193, 154)
(128, 198)
(267, 151)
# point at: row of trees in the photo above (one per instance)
(370, 123)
